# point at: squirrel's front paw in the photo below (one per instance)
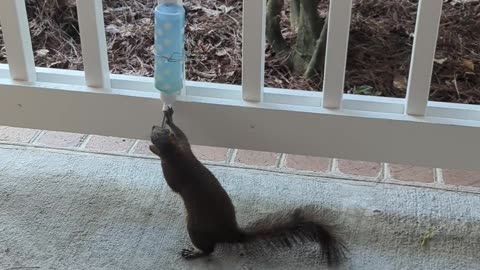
(168, 115)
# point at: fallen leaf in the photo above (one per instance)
(195, 8)
(226, 9)
(221, 52)
(208, 75)
(440, 61)
(127, 30)
(400, 82)
(363, 90)
(146, 21)
(426, 237)
(112, 29)
(469, 64)
(42, 52)
(151, 49)
(211, 12)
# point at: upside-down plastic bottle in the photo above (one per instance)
(169, 49)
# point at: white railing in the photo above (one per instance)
(330, 124)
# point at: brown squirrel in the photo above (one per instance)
(210, 213)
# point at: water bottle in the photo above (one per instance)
(169, 49)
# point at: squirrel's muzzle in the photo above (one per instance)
(160, 136)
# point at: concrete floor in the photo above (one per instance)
(73, 210)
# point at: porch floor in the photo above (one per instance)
(66, 209)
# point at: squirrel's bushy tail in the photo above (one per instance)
(298, 226)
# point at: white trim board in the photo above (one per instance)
(72, 79)
(231, 122)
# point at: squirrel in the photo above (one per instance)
(211, 215)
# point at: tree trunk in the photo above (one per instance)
(318, 59)
(309, 28)
(294, 14)
(273, 29)
(307, 57)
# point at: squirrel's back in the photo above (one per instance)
(207, 204)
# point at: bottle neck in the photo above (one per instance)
(167, 99)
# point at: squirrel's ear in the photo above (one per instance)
(154, 150)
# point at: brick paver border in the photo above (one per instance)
(337, 168)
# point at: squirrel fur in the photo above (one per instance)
(211, 215)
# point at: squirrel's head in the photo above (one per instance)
(163, 141)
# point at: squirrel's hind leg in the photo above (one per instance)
(203, 245)
(193, 253)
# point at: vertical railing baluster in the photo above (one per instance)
(339, 17)
(423, 54)
(253, 49)
(18, 43)
(93, 41)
